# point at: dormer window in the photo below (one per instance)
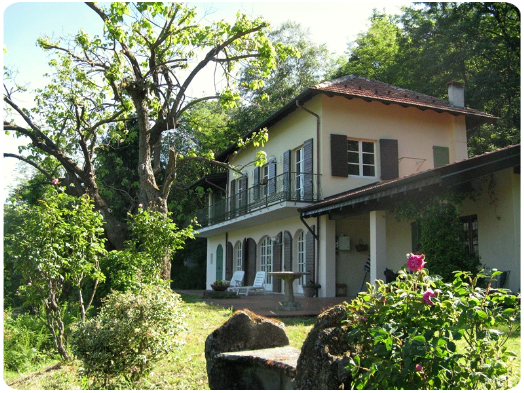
(361, 158)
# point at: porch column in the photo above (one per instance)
(377, 236)
(327, 264)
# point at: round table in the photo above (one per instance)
(289, 303)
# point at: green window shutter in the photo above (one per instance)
(440, 156)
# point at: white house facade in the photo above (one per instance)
(336, 155)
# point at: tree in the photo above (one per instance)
(292, 75)
(141, 68)
(430, 44)
(55, 244)
(374, 52)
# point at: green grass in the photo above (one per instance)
(185, 370)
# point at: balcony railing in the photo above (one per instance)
(290, 186)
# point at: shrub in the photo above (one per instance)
(27, 342)
(132, 332)
(421, 333)
(56, 246)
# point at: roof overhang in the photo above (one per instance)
(214, 181)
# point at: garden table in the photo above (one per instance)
(289, 303)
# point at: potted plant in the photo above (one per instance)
(220, 285)
(310, 289)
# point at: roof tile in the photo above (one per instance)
(372, 89)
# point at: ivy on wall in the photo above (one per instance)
(441, 236)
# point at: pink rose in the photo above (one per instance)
(54, 181)
(427, 297)
(416, 262)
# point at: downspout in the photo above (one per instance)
(318, 189)
(318, 141)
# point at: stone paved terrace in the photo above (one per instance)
(266, 305)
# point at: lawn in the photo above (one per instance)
(187, 369)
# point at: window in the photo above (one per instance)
(266, 258)
(264, 172)
(240, 193)
(440, 156)
(299, 173)
(238, 256)
(301, 256)
(470, 225)
(361, 158)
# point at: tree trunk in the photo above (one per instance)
(56, 326)
(151, 195)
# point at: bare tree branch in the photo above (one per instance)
(32, 163)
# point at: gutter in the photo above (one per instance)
(317, 262)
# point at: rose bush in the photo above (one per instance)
(422, 333)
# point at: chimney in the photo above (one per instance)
(456, 94)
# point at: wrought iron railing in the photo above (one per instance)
(290, 186)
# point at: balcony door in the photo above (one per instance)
(266, 260)
(299, 173)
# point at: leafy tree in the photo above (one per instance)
(373, 54)
(141, 68)
(152, 237)
(56, 244)
(291, 76)
(430, 44)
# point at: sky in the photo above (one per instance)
(332, 23)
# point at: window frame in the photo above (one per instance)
(238, 255)
(266, 258)
(301, 256)
(299, 164)
(470, 226)
(361, 155)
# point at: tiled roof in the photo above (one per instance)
(359, 87)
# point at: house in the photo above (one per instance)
(337, 156)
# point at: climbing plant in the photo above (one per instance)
(440, 231)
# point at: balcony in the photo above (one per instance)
(262, 202)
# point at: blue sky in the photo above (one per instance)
(333, 23)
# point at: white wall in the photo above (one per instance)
(498, 214)
(289, 133)
(417, 132)
(257, 233)
(350, 263)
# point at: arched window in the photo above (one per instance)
(266, 257)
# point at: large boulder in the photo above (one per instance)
(244, 331)
(325, 354)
